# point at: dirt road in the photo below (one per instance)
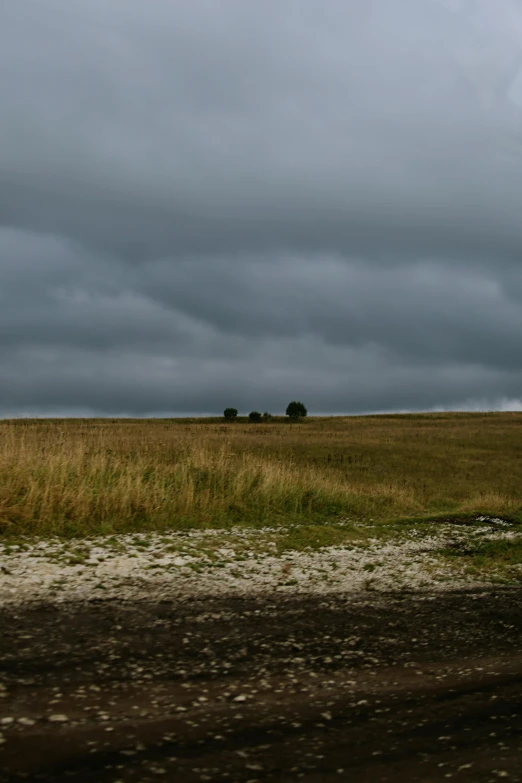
(361, 687)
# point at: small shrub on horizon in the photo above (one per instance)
(230, 414)
(254, 416)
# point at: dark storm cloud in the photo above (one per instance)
(205, 204)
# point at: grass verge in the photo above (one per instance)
(498, 559)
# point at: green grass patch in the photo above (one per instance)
(313, 537)
(498, 552)
(498, 559)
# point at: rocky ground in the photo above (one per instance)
(225, 661)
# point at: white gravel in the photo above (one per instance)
(147, 566)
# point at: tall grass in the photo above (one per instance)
(63, 481)
(77, 477)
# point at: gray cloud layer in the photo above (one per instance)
(206, 204)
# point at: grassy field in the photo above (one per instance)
(83, 477)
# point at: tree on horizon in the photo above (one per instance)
(296, 410)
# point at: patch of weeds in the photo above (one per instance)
(141, 542)
(75, 560)
(369, 567)
(81, 551)
(22, 547)
(498, 559)
(303, 537)
(116, 545)
(496, 551)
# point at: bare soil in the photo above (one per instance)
(397, 686)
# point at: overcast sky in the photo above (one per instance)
(212, 203)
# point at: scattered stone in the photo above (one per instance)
(26, 721)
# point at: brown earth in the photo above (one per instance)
(361, 687)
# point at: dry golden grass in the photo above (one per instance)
(78, 477)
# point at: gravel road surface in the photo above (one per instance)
(419, 686)
(211, 657)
